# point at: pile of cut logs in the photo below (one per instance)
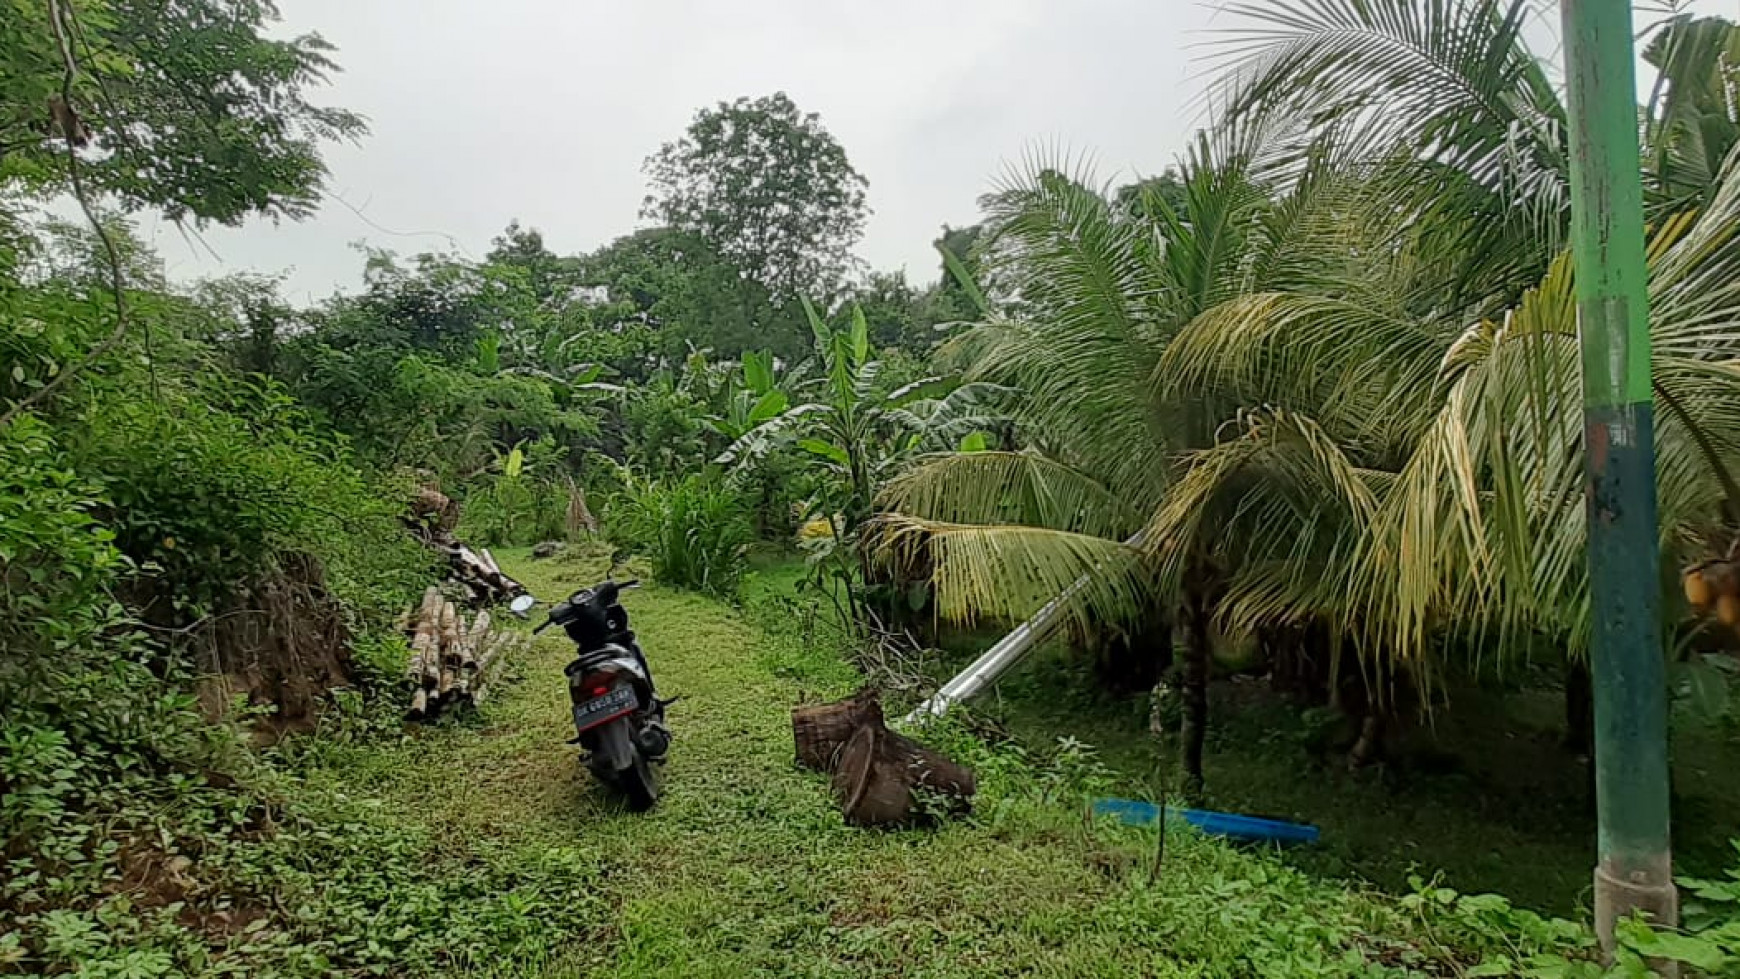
(454, 662)
(432, 518)
(880, 778)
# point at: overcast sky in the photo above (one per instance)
(542, 110)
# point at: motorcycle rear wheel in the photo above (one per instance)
(639, 784)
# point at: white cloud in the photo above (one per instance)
(543, 110)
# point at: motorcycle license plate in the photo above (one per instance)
(600, 709)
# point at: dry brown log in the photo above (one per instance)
(432, 655)
(819, 731)
(470, 647)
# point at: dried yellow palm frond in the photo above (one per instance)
(1006, 573)
(1279, 500)
(1486, 529)
(1363, 372)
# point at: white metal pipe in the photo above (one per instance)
(1005, 653)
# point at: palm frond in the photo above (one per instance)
(1009, 488)
(1279, 490)
(1452, 80)
(1006, 573)
(1366, 373)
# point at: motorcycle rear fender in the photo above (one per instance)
(612, 746)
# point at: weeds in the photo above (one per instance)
(345, 859)
(694, 530)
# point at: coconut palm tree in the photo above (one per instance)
(1095, 298)
(1450, 87)
(1339, 387)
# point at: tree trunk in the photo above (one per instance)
(820, 730)
(1579, 707)
(1369, 746)
(1580, 725)
(1199, 643)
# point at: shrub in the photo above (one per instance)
(206, 487)
(523, 498)
(695, 530)
(93, 745)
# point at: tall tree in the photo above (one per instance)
(188, 106)
(675, 286)
(1134, 198)
(769, 187)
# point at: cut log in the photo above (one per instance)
(425, 621)
(820, 731)
(490, 669)
(453, 661)
(431, 518)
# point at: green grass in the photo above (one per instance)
(747, 869)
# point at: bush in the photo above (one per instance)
(695, 530)
(94, 747)
(207, 486)
(523, 498)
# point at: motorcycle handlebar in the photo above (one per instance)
(609, 596)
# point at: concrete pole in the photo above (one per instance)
(1635, 868)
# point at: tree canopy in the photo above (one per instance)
(192, 107)
(768, 187)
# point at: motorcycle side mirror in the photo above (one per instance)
(521, 605)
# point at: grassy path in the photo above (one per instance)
(746, 868)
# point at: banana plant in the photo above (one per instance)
(853, 433)
(750, 398)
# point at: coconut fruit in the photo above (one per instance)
(1724, 578)
(1698, 590)
(1728, 610)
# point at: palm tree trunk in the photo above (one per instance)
(1369, 745)
(1579, 707)
(1199, 643)
(1580, 725)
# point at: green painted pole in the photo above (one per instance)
(1634, 871)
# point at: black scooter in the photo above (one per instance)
(618, 718)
